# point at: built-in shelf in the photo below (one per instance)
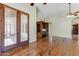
(42, 29)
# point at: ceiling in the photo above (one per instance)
(53, 9)
(57, 9)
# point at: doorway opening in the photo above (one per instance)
(75, 29)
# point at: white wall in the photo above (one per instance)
(40, 16)
(32, 19)
(61, 26)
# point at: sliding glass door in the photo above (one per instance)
(10, 27)
(24, 27)
(14, 28)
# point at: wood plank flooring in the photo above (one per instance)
(55, 47)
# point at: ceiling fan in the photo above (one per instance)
(32, 4)
(70, 13)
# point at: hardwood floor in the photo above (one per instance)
(55, 47)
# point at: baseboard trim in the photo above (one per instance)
(60, 37)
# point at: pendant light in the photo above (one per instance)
(70, 13)
(69, 8)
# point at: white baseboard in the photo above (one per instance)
(62, 37)
(30, 41)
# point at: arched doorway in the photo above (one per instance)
(75, 29)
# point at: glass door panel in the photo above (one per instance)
(10, 27)
(24, 27)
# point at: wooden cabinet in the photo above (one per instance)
(42, 30)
